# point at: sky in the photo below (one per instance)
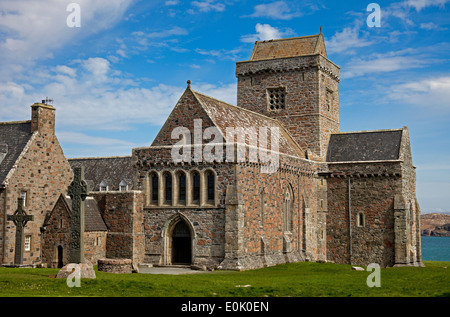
(116, 68)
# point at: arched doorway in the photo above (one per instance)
(181, 244)
(60, 256)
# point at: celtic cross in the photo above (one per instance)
(20, 219)
(78, 190)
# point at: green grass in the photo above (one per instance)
(296, 280)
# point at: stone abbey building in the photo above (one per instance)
(345, 197)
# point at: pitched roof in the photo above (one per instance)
(14, 136)
(225, 116)
(93, 220)
(365, 146)
(112, 170)
(290, 47)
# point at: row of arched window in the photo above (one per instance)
(181, 188)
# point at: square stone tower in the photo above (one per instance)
(293, 81)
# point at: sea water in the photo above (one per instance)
(435, 248)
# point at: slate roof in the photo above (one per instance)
(112, 170)
(290, 47)
(14, 136)
(225, 115)
(365, 146)
(93, 220)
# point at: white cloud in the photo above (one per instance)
(223, 92)
(97, 66)
(222, 54)
(346, 41)
(431, 26)
(431, 94)
(166, 33)
(275, 10)
(265, 32)
(91, 95)
(208, 5)
(34, 30)
(421, 4)
(171, 2)
(381, 64)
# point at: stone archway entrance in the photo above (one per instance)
(181, 244)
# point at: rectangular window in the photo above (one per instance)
(330, 100)
(276, 98)
(155, 188)
(23, 195)
(182, 190)
(27, 244)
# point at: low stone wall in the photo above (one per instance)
(118, 266)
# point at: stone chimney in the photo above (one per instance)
(42, 118)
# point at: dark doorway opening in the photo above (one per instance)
(181, 244)
(60, 257)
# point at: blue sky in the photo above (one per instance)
(115, 79)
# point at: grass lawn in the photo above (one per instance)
(304, 279)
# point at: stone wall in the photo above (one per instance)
(204, 218)
(370, 237)
(43, 173)
(117, 266)
(264, 227)
(57, 235)
(122, 213)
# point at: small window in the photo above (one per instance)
(123, 186)
(154, 183)
(168, 187)
(196, 187)
(330, 100)
(97, 241)
(262, 206)
(182, 187)
(276, 98)
(211, 185)
(103, 186)
(3, 151)
(23, 195)
(27, 244)
(360, 220)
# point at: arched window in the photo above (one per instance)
(195, 187)
(181, 187)
(168, 187)
(211, 186)
(287, 209)
(262, 206)
(360, 219)
(154, 188)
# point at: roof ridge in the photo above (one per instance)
(16, 122)
(274, 120)
(289, 38)
(98, 157)
(237, 107)
(368, 131)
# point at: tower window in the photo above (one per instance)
(276, 98)
(330, 100)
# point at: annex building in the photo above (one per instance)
(345, 197)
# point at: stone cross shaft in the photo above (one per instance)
(20, 219)
(78, 190)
